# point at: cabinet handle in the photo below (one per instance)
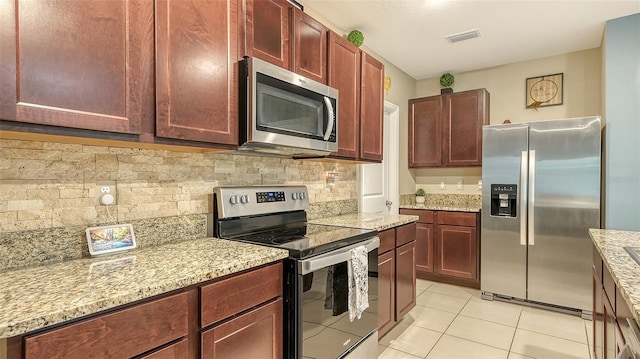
(332, 120)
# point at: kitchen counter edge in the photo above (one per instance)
(442, 208)
(624, 270)
(37, 297)
(376, 221)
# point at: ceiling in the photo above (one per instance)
(411, 33)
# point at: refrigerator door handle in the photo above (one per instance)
(523, 198)
(531, 197)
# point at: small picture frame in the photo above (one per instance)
(110, 239)
(542, 91)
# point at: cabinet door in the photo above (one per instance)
(371, 109)
(344, 75)
(196, 70)
(386, 292)
(463, 116)
(610, 328)
(310, 47)
(457, 249)
(256, 334)
(424, 247)
(80, 64)
(598, 318)
(405, 279)
(268, 31)
(425, 132)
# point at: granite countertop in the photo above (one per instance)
(624, 270)
(36, 297)
(375, 221)
(442, 208)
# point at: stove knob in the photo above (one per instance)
(294, 196)
(233, 199)
(302, 195)
(244, 198)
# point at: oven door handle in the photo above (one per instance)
(335, 257)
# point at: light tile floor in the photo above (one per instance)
(454, 322)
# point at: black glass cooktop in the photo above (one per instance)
(304, 240)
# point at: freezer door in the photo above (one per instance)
(564, 203)
(503, 247)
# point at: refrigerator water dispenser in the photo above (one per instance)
(503, 200)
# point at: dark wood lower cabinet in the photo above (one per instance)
(238, 316)
(396, 275)
(424, 247)
(447, 246)
(611, 314)
(122, 334)
(457, 251)
(178, 350)
(386, 292)
(405, 279)
(256, 334)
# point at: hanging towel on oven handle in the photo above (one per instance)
(358, 282)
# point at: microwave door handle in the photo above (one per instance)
(332, 120)
(335, 257)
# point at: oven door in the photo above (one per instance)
(323, 326)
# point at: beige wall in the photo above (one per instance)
(402, 89)
(506, 84)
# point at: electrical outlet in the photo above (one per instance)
(106, 187)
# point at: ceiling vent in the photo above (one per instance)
(471, 34)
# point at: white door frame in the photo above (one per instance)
(392, 152)
(391, 124)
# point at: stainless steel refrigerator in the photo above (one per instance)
(540, 195)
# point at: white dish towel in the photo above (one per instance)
(358, 282)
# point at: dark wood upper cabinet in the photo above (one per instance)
(80, 64)
(268, 31)
(310, 47)
(446, 130)
(197, 70)
(359, 79)
(425, 129)
(371, 109)
(344, 75)
(464, 114)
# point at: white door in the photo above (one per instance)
(379, 181)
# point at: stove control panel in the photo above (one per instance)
(249, 201)
(270, 196)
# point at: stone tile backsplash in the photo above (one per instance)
(444, 200)
(49, 191)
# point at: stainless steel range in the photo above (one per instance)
(317, 320)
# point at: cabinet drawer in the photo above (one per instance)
(426, 216)
(457, 218)
(387, 240)
(233, 295)
(121, 334)
(405, 234)
(178, 350)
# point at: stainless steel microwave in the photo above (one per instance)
(285, 114)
